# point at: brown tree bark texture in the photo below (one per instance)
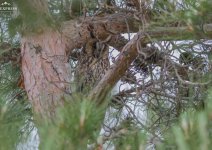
(100, 27)
(44, 59)
(46, 71)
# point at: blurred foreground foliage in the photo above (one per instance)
(79, 122)
(76, 125)
(193, 131)
(15, 112)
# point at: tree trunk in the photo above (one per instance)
(46, 71)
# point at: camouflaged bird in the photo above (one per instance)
(93, 62)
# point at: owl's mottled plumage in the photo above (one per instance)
(92, 65)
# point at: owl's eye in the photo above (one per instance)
(94, 45)
(97, 49)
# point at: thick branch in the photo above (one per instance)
(130, 51)
(78, 32)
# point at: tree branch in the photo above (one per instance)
(77, 32)
(130, 51)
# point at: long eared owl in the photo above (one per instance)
(93, 62)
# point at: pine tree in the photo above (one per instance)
(58, 68)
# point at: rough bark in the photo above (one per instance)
(45, 65)
(46, 71)
(128, 54)
(44, 58)
(78, 32)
